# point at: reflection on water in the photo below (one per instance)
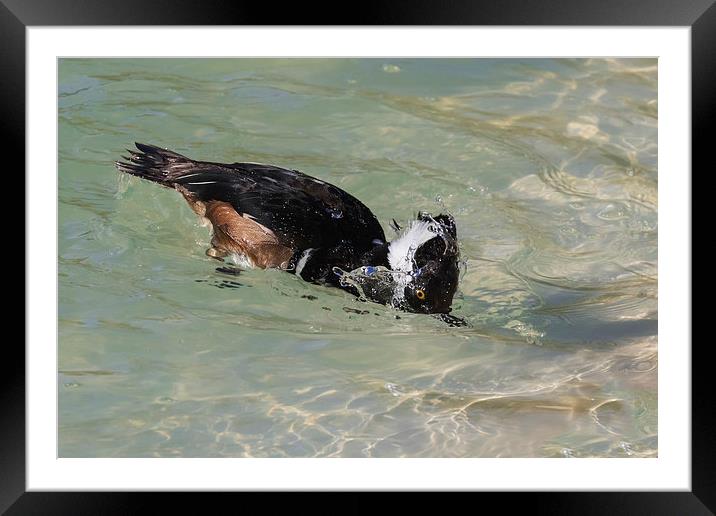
(549, 167)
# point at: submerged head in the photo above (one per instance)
(425, 258)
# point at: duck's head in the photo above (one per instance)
(423, 268)
(424, 258)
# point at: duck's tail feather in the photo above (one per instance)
(155, 164)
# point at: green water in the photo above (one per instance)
(550, 169)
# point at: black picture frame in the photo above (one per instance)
(700, 15)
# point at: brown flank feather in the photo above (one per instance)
(237, 233)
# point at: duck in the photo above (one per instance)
(266, 216)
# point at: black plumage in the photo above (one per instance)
(326, 229)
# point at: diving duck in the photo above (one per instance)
(267, 216)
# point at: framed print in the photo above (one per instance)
(430, 252)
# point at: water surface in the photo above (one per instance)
(550, 169)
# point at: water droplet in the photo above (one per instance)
(532, 336)
(394, 389)
(626, 447)
(611, 212)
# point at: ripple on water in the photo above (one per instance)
(549, 167)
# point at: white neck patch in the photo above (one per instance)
(402, 250)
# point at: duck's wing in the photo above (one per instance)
(301, 211)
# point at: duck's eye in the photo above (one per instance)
(420, 293)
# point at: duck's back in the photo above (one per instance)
(303, 212)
